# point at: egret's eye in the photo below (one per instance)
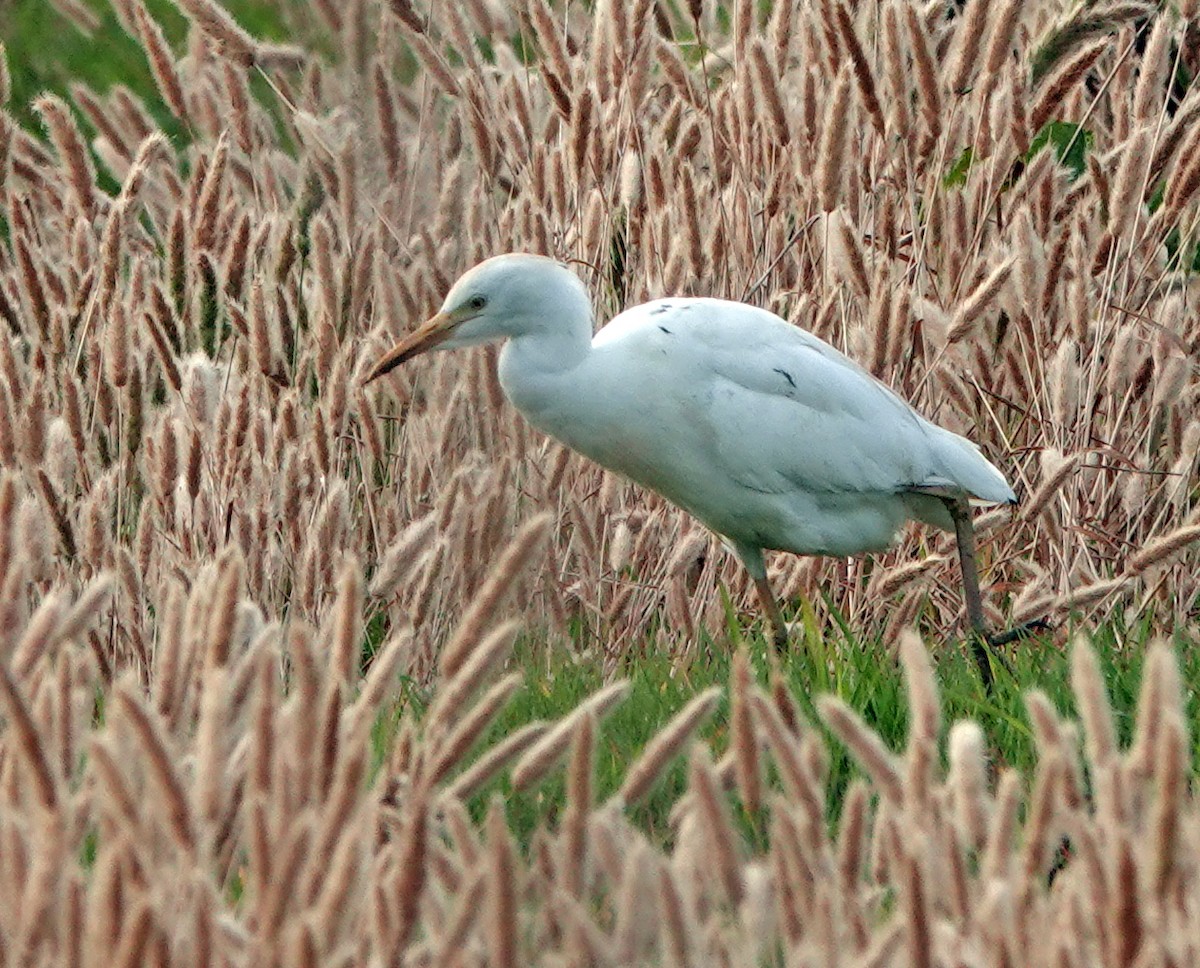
(477, 303)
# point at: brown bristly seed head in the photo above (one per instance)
(852, 252)
(162, 62)
(574, 848)
(501, 893)
(1162, 548)
(72, 151)
(889, 582)
(1063, 80)
(1057, 470)
(470, 726)
(457, 689)
(546, 752)
(1128, 186)
(162, 770)
(768, 86)
(1087, 682)
(718, 831)
(665, 745)
(924, 705)
(517, 557)
(928, 83)
(800, 781)
(29, 743)
(981, 298)
(831, 168)
(863, 76)
(866, 745)
(232, 41)
(967, 41)
(894, 59)
(496, 758)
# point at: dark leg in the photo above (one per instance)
(752, 559)
(779, 632)
(960, 512)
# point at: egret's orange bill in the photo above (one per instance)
(426, 337)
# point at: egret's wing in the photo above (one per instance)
(791, 417)
(787, 411)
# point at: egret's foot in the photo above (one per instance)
(984, 648)
(779, 636)
(1029, 629)
(983, 653)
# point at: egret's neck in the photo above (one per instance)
(539, 368)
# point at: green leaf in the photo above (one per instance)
(1071, 144)
(957, 175)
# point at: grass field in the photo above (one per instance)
(298, 672)
(865, 675)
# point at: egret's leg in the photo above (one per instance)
(964, 532)
(779, 633)
(752, 558)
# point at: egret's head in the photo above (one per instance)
(505, 296)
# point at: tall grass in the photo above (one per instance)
(219, 556)
(189, 341)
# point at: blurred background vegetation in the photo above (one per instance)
(48, 49)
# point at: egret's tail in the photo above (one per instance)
(964, 471)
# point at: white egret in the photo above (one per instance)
(765, 433)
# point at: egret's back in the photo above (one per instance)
(767, 433)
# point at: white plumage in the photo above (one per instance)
(764, 432)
